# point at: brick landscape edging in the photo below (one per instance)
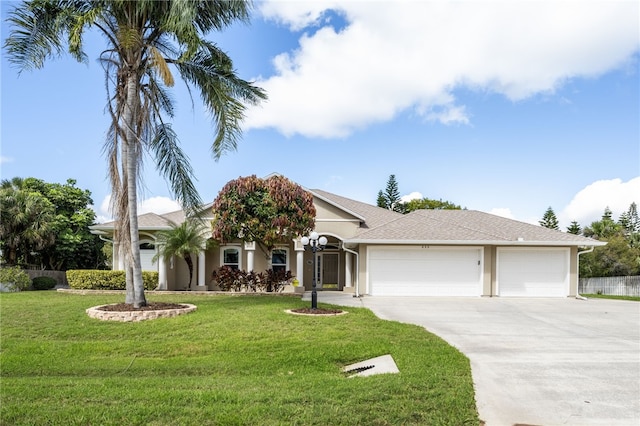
(130, 316)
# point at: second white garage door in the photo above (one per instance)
(533, 272)
(424, 271)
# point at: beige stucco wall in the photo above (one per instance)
(488, 283)
(573, 272)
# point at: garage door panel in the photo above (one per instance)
(533, 272)
(402, 271)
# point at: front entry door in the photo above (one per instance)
(328, 271)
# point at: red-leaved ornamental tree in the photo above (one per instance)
(268, 211)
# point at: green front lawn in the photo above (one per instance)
(607, 296)
(235, 361)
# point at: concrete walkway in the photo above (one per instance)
(534, 361)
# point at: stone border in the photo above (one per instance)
(332, 314)
(134, 316)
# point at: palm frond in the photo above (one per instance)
(174, 165)
(36, 35)
(222, 92)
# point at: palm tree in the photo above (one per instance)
(182, 241)
(147, 41)
(26, 221)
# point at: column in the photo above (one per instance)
(202, 284)
(300, 266)
(348, 264)
(162, 274)
(250, 248)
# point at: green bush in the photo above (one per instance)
(43, 283)
(14, 279)
(89, 279)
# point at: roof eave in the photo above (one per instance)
(477, 242)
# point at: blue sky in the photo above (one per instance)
(503, 107)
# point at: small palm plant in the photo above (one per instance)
(182, 241)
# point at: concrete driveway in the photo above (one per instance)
(534, 361)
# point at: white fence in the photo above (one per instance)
(613, 286)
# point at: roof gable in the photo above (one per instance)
(369, 215)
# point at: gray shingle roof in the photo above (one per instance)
(380, 226)
(466, 227)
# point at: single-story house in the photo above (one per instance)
(375, 251)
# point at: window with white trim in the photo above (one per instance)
(230, 256)
(279, 260)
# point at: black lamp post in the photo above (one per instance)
(316, 243)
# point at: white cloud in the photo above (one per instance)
(449, 115)
(157, 205)
(413, 196)
(588, 204)
(396, 56)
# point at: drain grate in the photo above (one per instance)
(380, 365)
(358, 369)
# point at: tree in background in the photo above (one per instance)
(75, 247)
(182, 241)
(390, 198)
(617, 258)
(549, 220)
(630, 223)
(603, 229)
(266, 211)
(64, 214)
(26, 222)
(145, 41)
(574, 228)
(426, 203)
(621, 255)
(381, 200)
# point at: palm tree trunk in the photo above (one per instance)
(132, 156)
(187, 258)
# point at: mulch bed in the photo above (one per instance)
(151, 306)
(317, 311)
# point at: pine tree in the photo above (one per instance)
(382, 200)
(549, 220)
(630, 220)
(392, 195)
(574, 228)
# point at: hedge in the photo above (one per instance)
(87, 279)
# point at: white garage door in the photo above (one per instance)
(425, 271)
(533, 272)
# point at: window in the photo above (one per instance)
(230, 257)
(279, 260)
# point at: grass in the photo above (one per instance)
(607, 296)
(235, 361)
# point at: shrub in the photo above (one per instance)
(229, 279)
(89, 279)
(275, 281)
(44, 283)
(14, 279)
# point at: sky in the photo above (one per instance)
(503, 107)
